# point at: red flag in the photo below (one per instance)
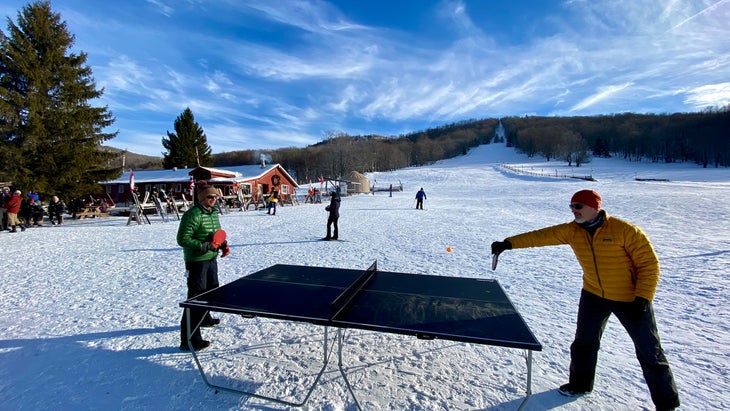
(192, 186)
(131, 181)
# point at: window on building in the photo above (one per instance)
(246, 188)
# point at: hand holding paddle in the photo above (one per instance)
(497, 248)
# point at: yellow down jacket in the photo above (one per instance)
(619, 262)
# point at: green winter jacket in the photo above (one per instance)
(618, 262)
(197, 226)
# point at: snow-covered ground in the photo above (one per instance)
(91, 315)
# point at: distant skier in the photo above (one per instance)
(620, 275)
(420, 196)
(334, 214)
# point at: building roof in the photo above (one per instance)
(182, 175)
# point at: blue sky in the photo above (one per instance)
(282, 73)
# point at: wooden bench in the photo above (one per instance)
(91, 211)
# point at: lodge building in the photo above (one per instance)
(250, 181)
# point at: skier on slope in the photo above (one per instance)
(420, 196)
(620, 275)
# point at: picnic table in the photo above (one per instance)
(91, 211)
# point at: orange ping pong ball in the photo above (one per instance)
(448, 249)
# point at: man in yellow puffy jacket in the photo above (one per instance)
(620, 275)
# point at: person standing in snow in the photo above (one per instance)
(420, 196)
(194, 235)
(12, 205)
(620, 276)
(334, 214)
(4, 198)
(273, 199)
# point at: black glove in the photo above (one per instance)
(207, 246)
(637, 308)
(327, 208)
(499, 246)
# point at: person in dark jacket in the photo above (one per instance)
(420, 196)
(620, 276)
(35, 210)
(334, 215)
(194, 235)
(4, 198)
(56, 208)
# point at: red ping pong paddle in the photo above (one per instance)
(218, 238)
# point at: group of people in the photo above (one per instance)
(620, 276)
(21, 212)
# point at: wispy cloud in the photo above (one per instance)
(706, 10)
(287, 71)
(710, 95)
(602, 94)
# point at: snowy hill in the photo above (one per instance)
(92, 318)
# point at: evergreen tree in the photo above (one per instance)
(50, 136)
(181, 145)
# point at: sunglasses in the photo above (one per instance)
(211, 196)
(576, 206)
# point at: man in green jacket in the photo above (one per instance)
(620, 275)
(194, 235)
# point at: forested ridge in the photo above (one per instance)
(702, 138)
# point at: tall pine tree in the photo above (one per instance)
(50, 136)
(181, 145)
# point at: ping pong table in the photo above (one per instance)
(428, 307)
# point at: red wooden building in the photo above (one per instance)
(249, 181)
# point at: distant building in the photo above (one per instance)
(357, 183)
(178, 182)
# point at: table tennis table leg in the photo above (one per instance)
(529, 380)
(342, 371)
(325, 361)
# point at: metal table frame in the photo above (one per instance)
(325, 360)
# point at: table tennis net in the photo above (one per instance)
(342, 300)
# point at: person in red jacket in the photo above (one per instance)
(13, 207)
(620, 275)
